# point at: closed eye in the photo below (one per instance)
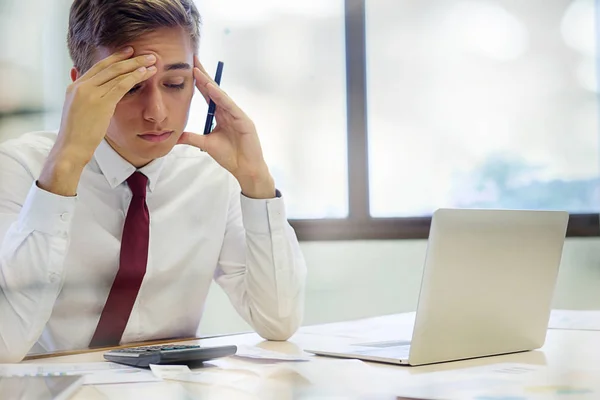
(179, 86)
(175, 86)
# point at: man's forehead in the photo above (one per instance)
(170, 46)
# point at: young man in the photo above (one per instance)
(112, 230)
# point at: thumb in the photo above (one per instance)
(193, 139)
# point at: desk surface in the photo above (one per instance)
(565, 349)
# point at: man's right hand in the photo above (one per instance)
(89, 106)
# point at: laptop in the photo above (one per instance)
(487, 288)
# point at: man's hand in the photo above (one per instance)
(89, 105)
(234, 143)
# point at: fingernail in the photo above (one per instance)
(151, 68)
(142, 69)
(127, 49)
(150, 57)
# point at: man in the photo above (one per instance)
(112, 230)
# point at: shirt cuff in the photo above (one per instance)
(263, 215)
(47, 212)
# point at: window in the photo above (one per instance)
(487, 104)
(467, 104)
(284, 65)
(373, 113)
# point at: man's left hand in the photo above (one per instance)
(234, 143)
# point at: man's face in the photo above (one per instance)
(150, 118)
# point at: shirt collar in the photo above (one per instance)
(116, 169)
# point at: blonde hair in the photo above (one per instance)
(113, 23)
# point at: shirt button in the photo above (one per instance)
(64, 216)
(54, 277)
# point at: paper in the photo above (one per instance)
(169, 371)
(550, 385)
(383, 328)
(94, 373)
(237, 380)
(342, 377)
(506, 382)
(325, 372)
(258, 353)
(119, 376)
(575, 319)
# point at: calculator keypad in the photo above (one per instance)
(146, 349)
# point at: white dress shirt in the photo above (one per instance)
(59, 255)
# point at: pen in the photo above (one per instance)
(212, 106)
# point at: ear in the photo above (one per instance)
(74, 74)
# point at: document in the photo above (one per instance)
(588, 320)
(96, 373)
(383, 328)
(242, 380)
(263, 354)
(350, 376)
(507, 381)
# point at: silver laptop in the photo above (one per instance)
(487, 288)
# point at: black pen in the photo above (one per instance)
(212, 106)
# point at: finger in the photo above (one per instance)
(223, 101)
(122, 54)
(121, 68)
(193, 139)
(201, 88)
(199, 65)
(208, 78)
(124, 83)
(208, 87)
(146, 72)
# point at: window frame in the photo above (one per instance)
(359, 224)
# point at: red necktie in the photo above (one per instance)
(132, 267)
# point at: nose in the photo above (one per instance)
(154, 108)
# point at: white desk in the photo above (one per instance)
(322, 376)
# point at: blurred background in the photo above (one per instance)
(470, 103)
(481, 103)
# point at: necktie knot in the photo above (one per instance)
(137, 183)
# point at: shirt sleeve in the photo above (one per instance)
(34, 239)
(261, 266)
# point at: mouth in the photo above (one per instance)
(156, 136)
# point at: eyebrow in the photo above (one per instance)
(180, 65)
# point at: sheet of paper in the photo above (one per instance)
(120, 376)
(575, 319)
(505, 381)
(333, 376)
(152, 391)
(95, 373)
(57, 369)
(258, 353)
(246, 381)
(169, 371)
(324, 372)
(383, 328)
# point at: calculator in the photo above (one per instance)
(143, 356)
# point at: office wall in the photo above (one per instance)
(366, 278)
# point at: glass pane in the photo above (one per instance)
(482, 104)
(284, 66)
(34, 65)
